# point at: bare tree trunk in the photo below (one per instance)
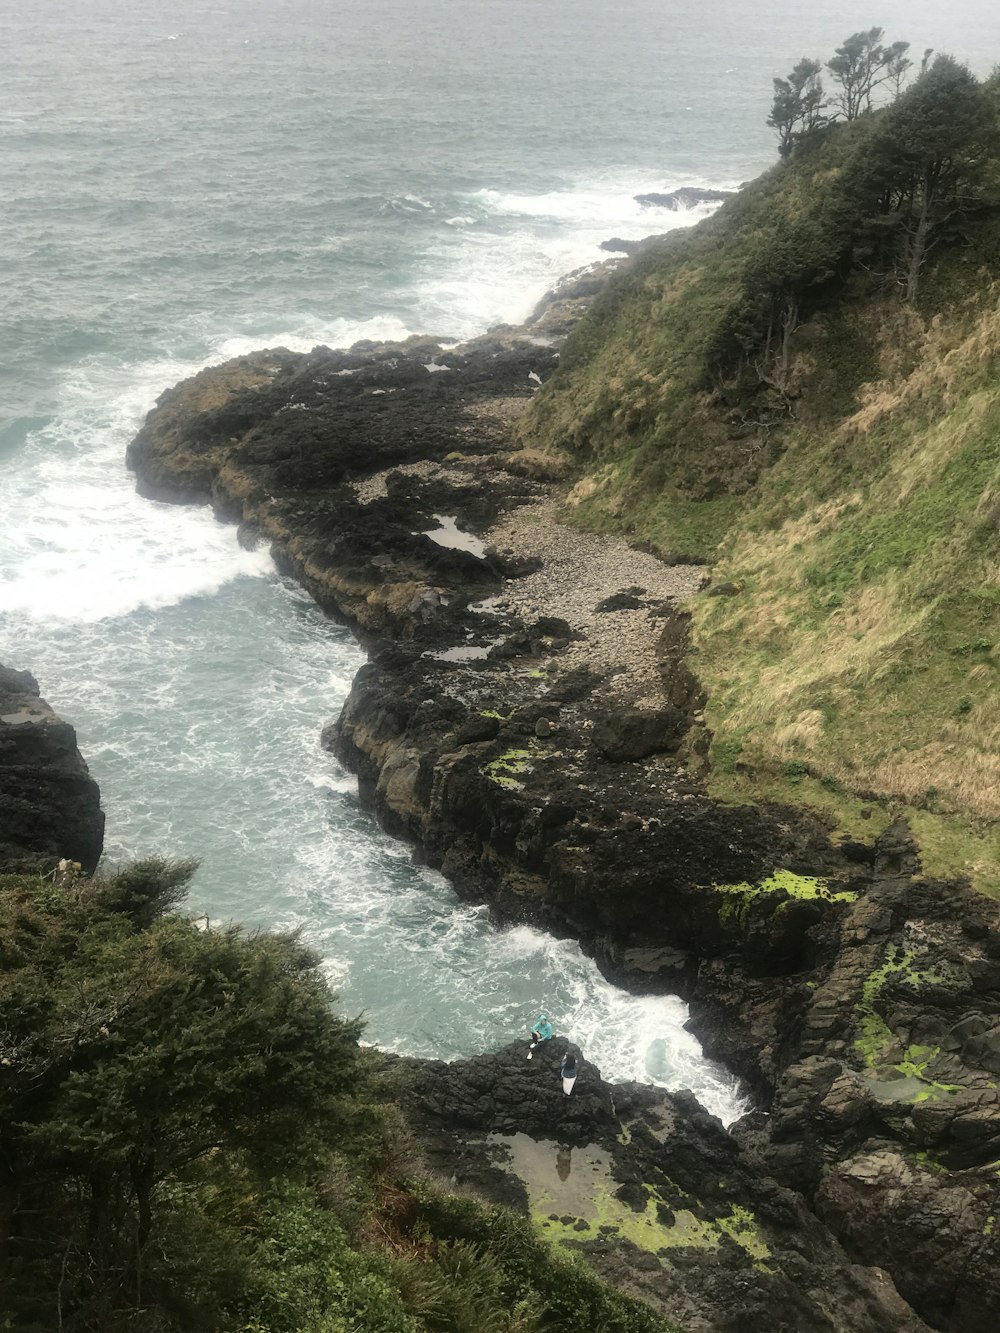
(917, 249)
(143, 1185)
(789, 323)
(143, 1196)
(775, 366)
(6, 1227)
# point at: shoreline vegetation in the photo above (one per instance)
(193, 1140)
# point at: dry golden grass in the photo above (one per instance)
(965, 777)
(803, 733)
(583, 490)
(538, 464)
(839, 683)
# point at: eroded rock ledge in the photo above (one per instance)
(648, 1186)
(50, 806)
(550, 766)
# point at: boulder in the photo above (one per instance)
(934, 1231)
(635, 733)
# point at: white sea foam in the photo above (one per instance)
(86, 546)
(461, 987)
(313, 331)
(523, 244)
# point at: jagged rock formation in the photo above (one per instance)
(49, 804)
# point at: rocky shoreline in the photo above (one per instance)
(527, 719)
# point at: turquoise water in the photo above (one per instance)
(183, 182)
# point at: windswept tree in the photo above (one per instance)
(789, 262)
(797, 109)
(863, 64)
(897, 68)
(145, 1063)
(929, 156)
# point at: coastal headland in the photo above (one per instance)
(530, 721)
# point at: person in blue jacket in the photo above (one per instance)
(542, 1031)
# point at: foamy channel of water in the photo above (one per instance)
(199, 682)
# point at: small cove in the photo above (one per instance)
(199, 681)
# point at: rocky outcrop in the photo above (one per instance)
(49, 804)
(859, 1000)
(500, 772)
(933, 1228)
(688, 196)
(278, 442)
(648, 1186)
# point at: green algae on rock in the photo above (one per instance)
(739, 897)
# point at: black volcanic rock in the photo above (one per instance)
(636, 733)
(918, 1221)
(648, 1185)
(49, 804)
(617, 245)
(688, 196)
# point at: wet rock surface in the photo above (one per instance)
(528, 719)
(647, 1185)
(50, 806)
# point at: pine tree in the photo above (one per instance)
(928, 156)
(139, 1056)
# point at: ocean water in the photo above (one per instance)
(182, 182)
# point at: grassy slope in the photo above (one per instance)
(858, 660)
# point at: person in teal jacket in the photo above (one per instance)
(542, 1031)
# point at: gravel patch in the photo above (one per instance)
(375, 488)
(580, 570)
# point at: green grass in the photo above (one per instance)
(857, 663)
(876, 1040)
(738, 898)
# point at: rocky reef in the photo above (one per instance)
(50, 806)
(529, 720)
(648, 1186)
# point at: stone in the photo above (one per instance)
(636, 733)
(688, 196)
(932, 1233)
(983, 1049)
(620, 601)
